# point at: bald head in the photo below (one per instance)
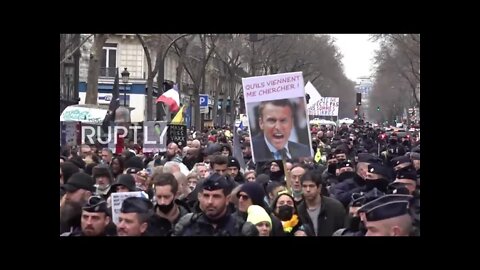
(196, 144)
(396, 226)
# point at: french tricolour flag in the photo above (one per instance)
(171, 98)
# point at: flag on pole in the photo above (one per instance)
(113, 106)
(179, 118)
(171, 98)
(237, 148)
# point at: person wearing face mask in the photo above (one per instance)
(394, 148)
(103, 180)
(329, 175)
(167, 211)
(276, 171)
(353, 224)
(378, 176)
(285, 209)
(343, 191)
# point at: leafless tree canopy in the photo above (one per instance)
(397, 78)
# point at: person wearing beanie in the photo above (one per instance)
(124, 183)
(276, 171)
(252, 193)
(234, 170)
(68, 168)
(260, 218)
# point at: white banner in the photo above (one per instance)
(326, 106)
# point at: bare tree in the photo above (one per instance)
(198, 55)
(403, 53)
(94, 68)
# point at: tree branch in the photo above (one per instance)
(73, 51)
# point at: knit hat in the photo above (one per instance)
(254, 191)
(257, 214)
(68, 169)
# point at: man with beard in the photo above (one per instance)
(171, 154)
(103, 180)
(193, 156)
(343, 191)
(167, 211)
(234, 170)
(94, 220)
(214, 220)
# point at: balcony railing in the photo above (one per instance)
(108, 72)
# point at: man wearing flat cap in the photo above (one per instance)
(79, 188)
(134, 216)
(387, 216)
(214, 220)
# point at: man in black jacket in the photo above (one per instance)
(325, 215)
(167, 209)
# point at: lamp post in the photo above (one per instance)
(125, 76)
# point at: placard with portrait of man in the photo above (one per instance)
(277, 117)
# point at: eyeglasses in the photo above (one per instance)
(244, 197)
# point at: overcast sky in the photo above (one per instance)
(358, 53)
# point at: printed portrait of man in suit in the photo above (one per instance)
(276, 124)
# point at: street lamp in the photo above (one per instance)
(125, 75)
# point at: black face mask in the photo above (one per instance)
(285, 212)
(380, 184)
(332, 168)
(346, 175)
(393, 141)
(166, 208)
(353, 223)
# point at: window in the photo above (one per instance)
(109, 60)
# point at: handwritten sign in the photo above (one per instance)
(326, 106)
(270, 87)
(177, 134)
